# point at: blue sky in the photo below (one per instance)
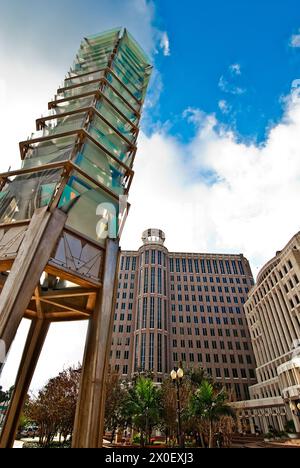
(206, 38)
(217, 166)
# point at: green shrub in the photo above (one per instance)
(137, 439)
(290, 427)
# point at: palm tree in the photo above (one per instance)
(209, 404)
(142, 407)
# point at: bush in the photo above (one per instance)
(53, 445)
(137, 439)
(290, 427)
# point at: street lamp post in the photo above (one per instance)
(177, 376)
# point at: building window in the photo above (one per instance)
(151, 314)
(241, 268)
(151, 351)
(159, 257)
(145, 305)
(159, 314)
(152, 287)
(153, 257)
(146, 280)
(143, 351)
(136, 353)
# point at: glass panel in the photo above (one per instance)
(120, 88)
(101, 167)
(77, 91)
(25, 193)
(115, 118)
(89, 66)
(120, 104)
(102, 53)
(84, 79)
(97, 39)
(64, 124)
(108, 138)
(73, 104)
(90, 209)
(46, 152)
(134, 50)
(127, 78)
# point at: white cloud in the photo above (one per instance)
(230, 88)
(295, 40)
(250, 204)
(224, 106)
(235, 69)
(165, 44)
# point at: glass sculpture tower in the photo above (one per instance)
(62, 213)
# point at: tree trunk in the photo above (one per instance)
(210, 444)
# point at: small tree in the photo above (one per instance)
(142, 407)
(208, 405)
(116, 394)
(54, 408)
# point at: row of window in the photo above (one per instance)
(223, 267)
(210, 320)
(213, 344)
(212, 289)
(128, 263)
(208, 298)
(227, 372)
(210, 279)
(122, 329)
(183, 265)
(206, 309)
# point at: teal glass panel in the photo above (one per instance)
(115, 119)
(127, 79)
(123, 91)
(120, 104)
(94, 213)
(101, 167)
(108, 138)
